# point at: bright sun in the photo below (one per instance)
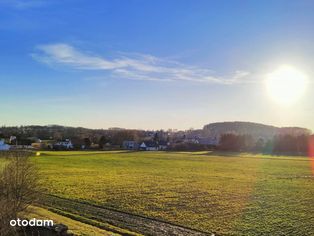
(286, 85)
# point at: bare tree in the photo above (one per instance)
(19, 188)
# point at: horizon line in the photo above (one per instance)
(152, 129)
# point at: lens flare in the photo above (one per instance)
(286, 85)
(311, 152)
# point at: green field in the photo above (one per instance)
(240, 194)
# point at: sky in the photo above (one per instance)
(148, 64)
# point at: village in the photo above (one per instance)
(225, 136)
(148, 144)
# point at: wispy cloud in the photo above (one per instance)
(132, 66)
(23, 4)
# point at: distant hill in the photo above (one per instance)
(254, 129)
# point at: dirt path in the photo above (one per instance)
(135, 223)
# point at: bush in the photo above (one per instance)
(19, 188)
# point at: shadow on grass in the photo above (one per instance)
(256, 155)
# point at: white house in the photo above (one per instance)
(66, 144)
(3, 146)
(149, 146)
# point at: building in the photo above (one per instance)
(191, 140)
(63, 145)
(149, 146)
(39, 145)
(130, 145)
(3, 146)
(13, 140)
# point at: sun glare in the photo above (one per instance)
(286, 85)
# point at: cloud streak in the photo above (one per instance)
(23, 4)
(136, 66)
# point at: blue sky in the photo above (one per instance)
(151, 64)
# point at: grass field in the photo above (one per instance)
(234, 195)
(240, 194)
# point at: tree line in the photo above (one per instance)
(279, 144)
(26, 135)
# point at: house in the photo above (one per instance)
(39, 145)
(163, 145)
(3, 146)
(63, 145)
(43, 144)
(149, 146)
(130, 145)
(191, 140)
(13, 140)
